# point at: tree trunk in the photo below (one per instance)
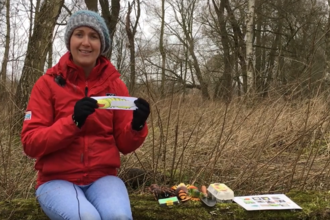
(36, 10)
(31, 18)
(224, 87)
(3, 72)
(275, 53)
(50, 54)
(91, 5)
(111, 18)
(240, 45)
(259, 43)
(162, 50)
(34, 63)
(130, 31)
(251, 80)
(327, 43)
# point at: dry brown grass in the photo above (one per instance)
(269, 146)
(17, 176)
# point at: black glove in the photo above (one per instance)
(82, 109)
(141, 114)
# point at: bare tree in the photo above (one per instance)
(131, 31)
(184, 16)
(275, 52)
(249, 44)
(111, 18)
(239, 43)
(120, 51)
(259, 58)
(33, 11)
(223, 85)
(3, 72)
(289, 37)
(110, 15)
(34, 63)
(327, 41)
(162, 49)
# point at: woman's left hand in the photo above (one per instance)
(140, 115)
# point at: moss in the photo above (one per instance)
(21, 209)
(144, 207)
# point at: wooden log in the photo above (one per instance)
(144, 207)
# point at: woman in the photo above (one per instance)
(76, 145)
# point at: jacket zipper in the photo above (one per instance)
(86, 89)
(82, 154)
(85, 160)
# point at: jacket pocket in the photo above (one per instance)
(62, 162)
(104, 153)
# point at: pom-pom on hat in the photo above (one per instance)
(92, 20)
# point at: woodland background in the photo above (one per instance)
(238, 88)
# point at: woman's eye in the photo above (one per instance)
(78, 34)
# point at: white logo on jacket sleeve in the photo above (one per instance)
(28, 115)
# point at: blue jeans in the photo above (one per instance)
(104, 199)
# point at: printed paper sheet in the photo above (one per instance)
(266, 202)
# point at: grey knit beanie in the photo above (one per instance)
(92, 20)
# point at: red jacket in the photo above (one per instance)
(62, 150)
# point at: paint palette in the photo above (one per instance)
(221, 192)
(168, 201)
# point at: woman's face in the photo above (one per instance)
(85, 47)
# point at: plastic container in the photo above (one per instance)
(221, 192)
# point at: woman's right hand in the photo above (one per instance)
(82, 109)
